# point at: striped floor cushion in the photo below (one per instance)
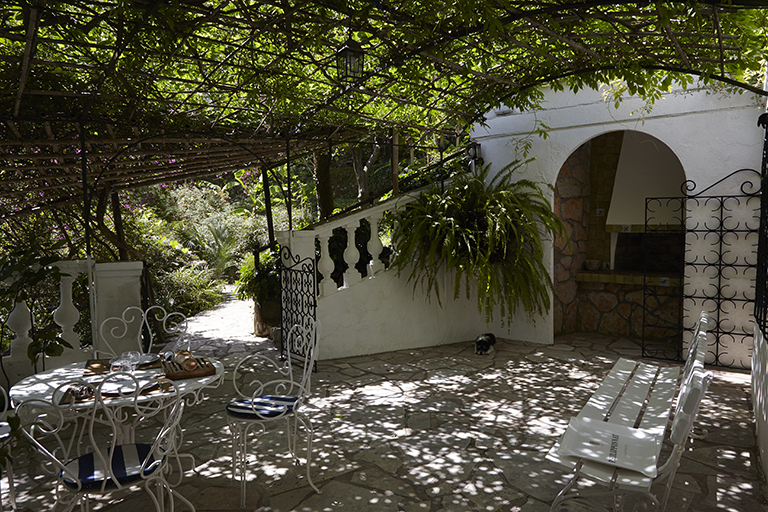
(126, 467)
(261, 407)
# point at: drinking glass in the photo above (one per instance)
(118, 364)
(132, 359)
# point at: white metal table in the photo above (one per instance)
(46, 385)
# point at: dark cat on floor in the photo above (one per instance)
(484, 343)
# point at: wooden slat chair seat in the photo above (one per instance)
(636, 395)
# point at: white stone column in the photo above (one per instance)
(20, 322)
(375, 246)
(67, 315)
(17, 364)
(325, 267)
(351, 255)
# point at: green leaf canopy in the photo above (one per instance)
(154, 91)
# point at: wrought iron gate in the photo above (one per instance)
(720, 236)
(298, 296)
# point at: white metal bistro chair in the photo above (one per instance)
(134, 325)
(7, 441)
(261, 400)
(79, 435)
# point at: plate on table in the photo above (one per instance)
(126, 387)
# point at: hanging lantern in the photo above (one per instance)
(350, 60)
(473, 150)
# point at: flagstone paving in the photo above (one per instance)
(432, 430)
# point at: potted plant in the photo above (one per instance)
(483, 232)
(260, 280)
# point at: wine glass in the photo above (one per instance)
(132, 359)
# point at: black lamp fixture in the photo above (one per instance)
(473, 150)
(473, 155)
(350, 60)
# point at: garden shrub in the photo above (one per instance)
(188, 290)
(261, 284)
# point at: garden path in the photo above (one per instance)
(435, 430)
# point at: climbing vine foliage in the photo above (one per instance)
(486, 234)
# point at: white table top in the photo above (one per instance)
(42, 386)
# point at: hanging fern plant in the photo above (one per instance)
(489, 232)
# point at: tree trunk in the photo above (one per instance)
(322, 161)
(363, 171)
(117, 219)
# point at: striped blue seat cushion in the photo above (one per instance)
(261, 407)
(126, 466)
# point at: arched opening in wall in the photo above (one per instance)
(600, 195)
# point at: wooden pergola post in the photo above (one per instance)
(395, 162)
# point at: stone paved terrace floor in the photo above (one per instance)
(432, 430)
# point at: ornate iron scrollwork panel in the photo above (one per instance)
(298, 296)
(719, 270)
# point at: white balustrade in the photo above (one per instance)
(20, 322)
(67, 315)
(299, 242)
(325, 266)
(120, 282)
(351, 255)
(375, 246)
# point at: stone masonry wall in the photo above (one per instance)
(617, 310)
(571, 204)
(605, 152)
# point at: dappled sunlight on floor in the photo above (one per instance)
(443, 429)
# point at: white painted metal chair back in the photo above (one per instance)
(269, 390)
(138, 325)
(682, 426)
(86, 434)
(7, 442)
(697, 351)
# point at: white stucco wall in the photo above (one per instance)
(382, 314)
(711, 134)
(760, 395)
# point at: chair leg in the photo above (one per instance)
(243, 462)
(188, 503)
(239, 433)
(310, 434)
(70, 505)
(178, 456)
(291, 432)
(163, 489)
(11, 486)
